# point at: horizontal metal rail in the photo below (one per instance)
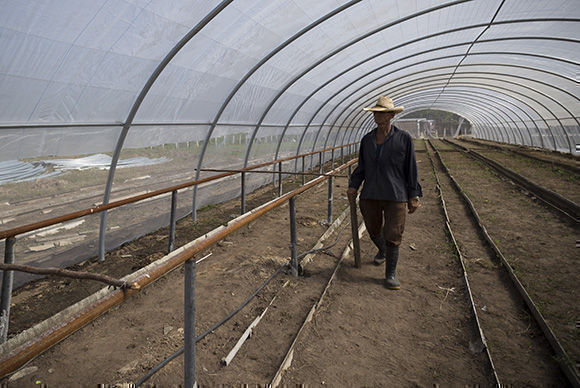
(555, 200)
(562, 357)
(272, 172)
(11, 359)
(111, 205)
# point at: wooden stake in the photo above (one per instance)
(354, 229)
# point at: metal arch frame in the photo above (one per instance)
(341, 48)
(243, 80)
(483, 86)
(416, 73)
(517, 115)
(501, 88)
(469, 48)
(450, 46)
(469, 96)
(469, 103)
(369, 120)
(137, 104)
(425, 90)
(279, 48)
(439, 58)
(472, 112)
(505, 103)
(499, 98)
(478, 128)
(516, 99)
(506, 81)
(176, 49)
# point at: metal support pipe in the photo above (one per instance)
(243, 205)
(189, 324)
(330, 182)
(332, 159)
(341, 155)
(320, 163)
(279, 179)
(172, 220)
(7, 281)
(293, 260)
(303, 170)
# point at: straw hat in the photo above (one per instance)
(385, 104)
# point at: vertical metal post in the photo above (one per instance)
(330, 199)
(342, 155)
(293, 260)
(102, 231)
(7, 281)
(194, 205)
(243, 192)
(279, 179)
(320, 162)
(349, 171)
(172, 220)
(303, 170)
(189, 324)
(332, 160)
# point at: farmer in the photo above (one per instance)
(387, 165)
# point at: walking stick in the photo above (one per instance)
(354, 228)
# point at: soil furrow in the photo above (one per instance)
(550, 176)
(521, 354)
(537, 242)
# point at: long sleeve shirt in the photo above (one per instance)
(389, 171)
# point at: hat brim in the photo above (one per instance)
(396, 109)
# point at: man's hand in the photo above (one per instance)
(351, 193)
(413, 204)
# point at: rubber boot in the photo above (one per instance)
(382, 245)
(391, 281)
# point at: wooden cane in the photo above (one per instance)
(354, 229)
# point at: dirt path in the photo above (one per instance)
(366, 335)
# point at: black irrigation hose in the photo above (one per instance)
(208, 331)
(323, 249)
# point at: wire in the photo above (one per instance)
(208, 331)
(326, 247)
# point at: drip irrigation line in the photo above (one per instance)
(211, 329)
(324, 249)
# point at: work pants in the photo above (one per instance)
(393, 214)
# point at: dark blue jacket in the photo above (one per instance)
(392, 176)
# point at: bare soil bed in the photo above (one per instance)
(364, 334)
(545, 174)
(538, 242)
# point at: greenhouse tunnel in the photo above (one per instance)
(104, 100)
(176, 87)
